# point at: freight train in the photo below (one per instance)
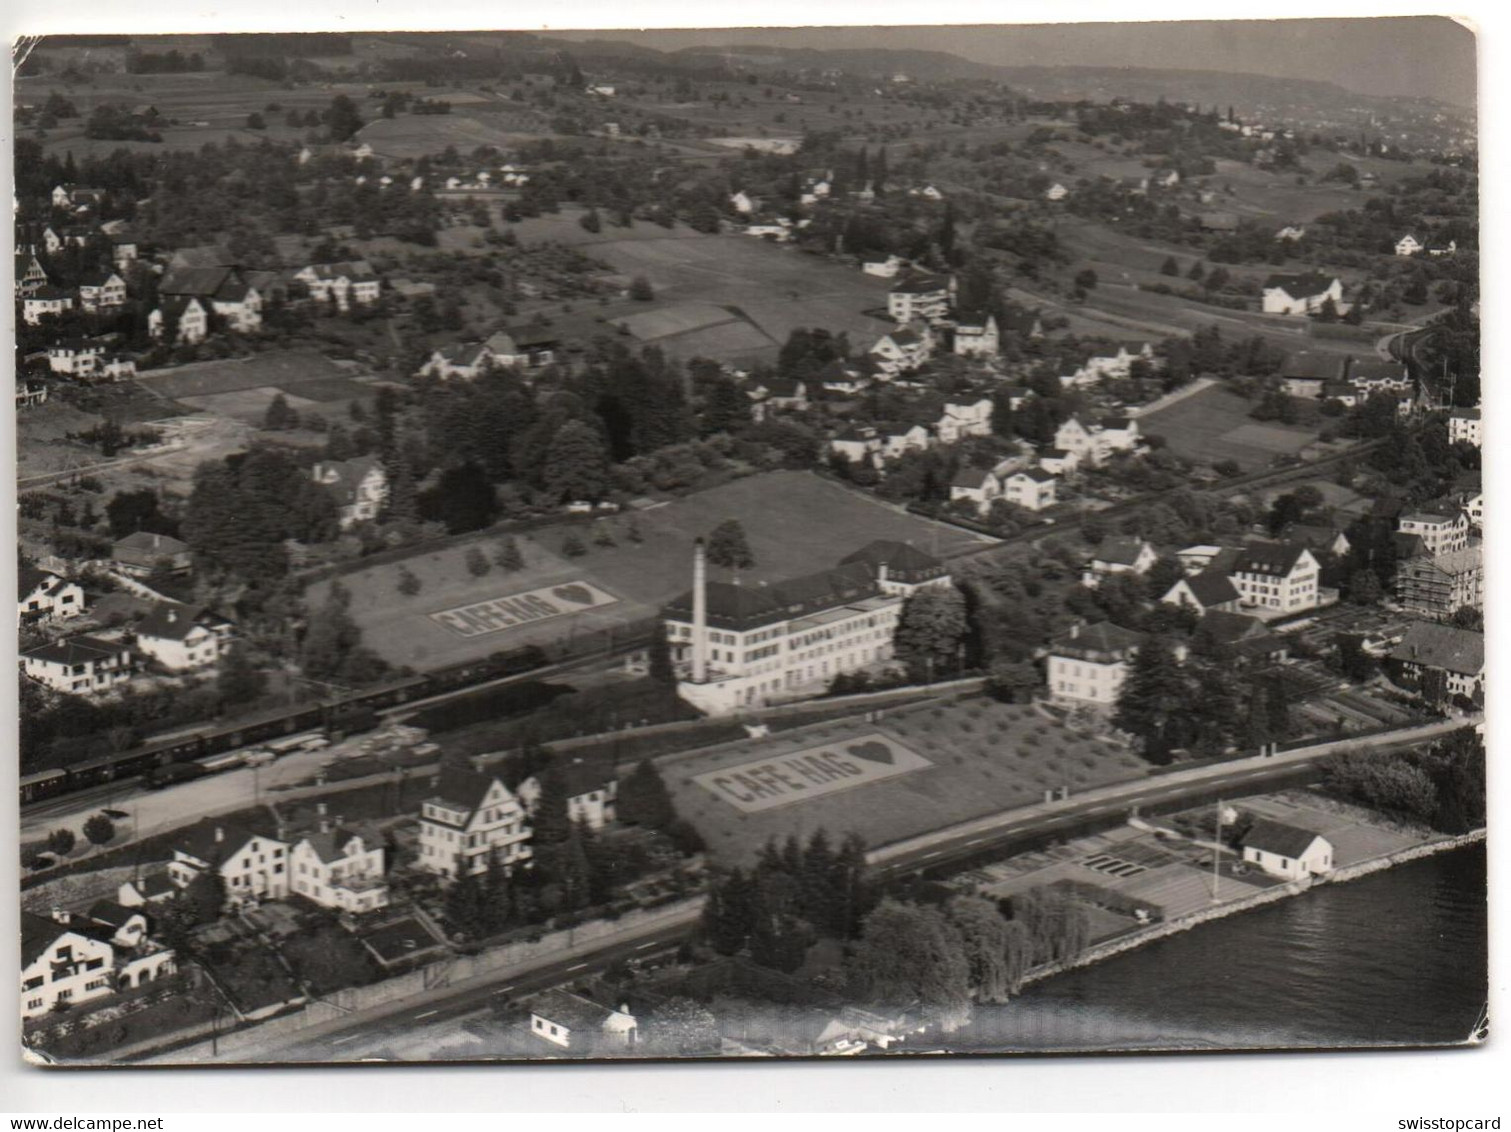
(333, 717)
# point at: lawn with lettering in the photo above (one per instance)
(914, 770)
(796, 522)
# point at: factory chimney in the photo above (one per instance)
(700, 614)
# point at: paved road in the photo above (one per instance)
(347, 1038)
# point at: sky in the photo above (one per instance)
(1431, 56)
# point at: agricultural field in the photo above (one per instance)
(242, 388)
(796, 523)
(1215, 425)
(914, 770)
(475, 120)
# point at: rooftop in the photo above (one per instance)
(1277, 837)
(1442, 646)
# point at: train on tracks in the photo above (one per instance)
(331, 718)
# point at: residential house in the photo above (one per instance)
(1195, 559)
(1119, 556)
(185, 312)
(1277, 577)
(1473, 503)
(1439, 585)
(1408, 245)
(1304, 293)
(1089, 663)
(591, 786)
(339, 867)
(124, 250)
(1031, 488)
(30, 392)
(79, 666)
(470, 820)
(1120, 364)
(903, 349)
(45, 301)
(1094, 443)
(1291, 232)
(43, 596)
(1287, 851)
(917, 295)
(344, 283)
(76, 357)
(253, 867)
(1016, 396)
(965, 418)
(845, 377)
(901, 568)
(524, 347)
(359, 485)
(1056, 192)
(146, 552)
(976, 335)
(182, 637)
(1464, 427)
(1237, 639)
(30, 275)
(145, 891)
(67, 960)
(787, 394)
(885, 268)
(742, 204)
(573, 1022)
(1060, 461)
(979, 485)
(900, 439)
(221, 290)
(1203, 593)
(1439, 662)
(101, 289)
(1319, 538)
(1442, 527)
(856, 443)
(115, 367)
(1307, 375)
(465, 360)
(1376, 375)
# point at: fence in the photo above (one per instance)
(449, 972)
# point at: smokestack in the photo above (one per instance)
(700, 614)
(881, 575)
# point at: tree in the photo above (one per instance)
(682, 1026)
(255, 121)
(659, 659)
(464, 907)
(910, 956)
(509, 558)
(550, 821)
(731, 912)
(590, 221)
(239, 680)
(931, 631)
(576, 464)
(99, 830)
(342, 118)
(477, 562)
(987, 941)
(280, 416)
(728, 547)
(1086, 279)
(1364, 587)
(1169, 267)
(60, 842)
(1154, 701)
(409, 582)
(572, 546)
(641, 290)
(644, 798)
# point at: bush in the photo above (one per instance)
(572, 546)
(61, 842)
(409, 582)
(99, 830)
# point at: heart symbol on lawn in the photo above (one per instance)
(872, 752)
(578, 595)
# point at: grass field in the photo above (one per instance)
(1215, 425)
(796, 522)
(984, 757)
(243, 388)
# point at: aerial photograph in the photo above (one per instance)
(774, 543)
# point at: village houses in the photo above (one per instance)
(1439, 585)
(69, 959)
(1441, 527)
(1286, 851)
(43, 596)
(1276, 578)
(183, 638)
(1093, 444)
(1430, 654)
(146, 552)
(1089, 663)
(1204, 592)
(343, 283)
(922, 296)
(1118, 556)
(339, 867)
(1408, 245)
(976, 335)
(1301, 294)
(101, 289)
(903, 349)
(465, 360)
(590, 785)
(79, 666)
(186, 313)
(253, 867)
(359, 487)
(573, 1022)
(471, 820)
(45, 301)
(1464, 427)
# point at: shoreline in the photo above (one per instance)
(1112, 948)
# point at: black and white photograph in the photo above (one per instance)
(826, 543)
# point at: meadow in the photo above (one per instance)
(1215, 425)
(796, 523)
(986, 757)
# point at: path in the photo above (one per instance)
(1175, 396)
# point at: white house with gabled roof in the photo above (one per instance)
(470, 820)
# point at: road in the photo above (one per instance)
(348, 1038)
